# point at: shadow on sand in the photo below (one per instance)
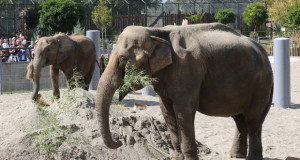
(292, 106)
(272, 159)
(295, 106)
(130, 102)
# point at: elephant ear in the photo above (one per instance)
(65, 48)
(160, 54)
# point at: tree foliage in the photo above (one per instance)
(225, 16)
(197, 18)
(134, 6)
(277, 10)
(60, 15)
(101, 16)
(293, 15)
(255, 14)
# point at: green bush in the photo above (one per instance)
(254, 36)
(60, 15)
(255, 14)
(294, 15)
(225, 16)
(78, 29)
(197, 18)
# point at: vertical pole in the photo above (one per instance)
(237, 15)
(282, 93)
(148, 91)
(1, 77)
(94, 35)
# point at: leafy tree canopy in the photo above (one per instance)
(101, 16)
(293, 15)
(278, 10)
(60, 15)
(197, 18)
(255, 14)
(134, 6)
(225, 16)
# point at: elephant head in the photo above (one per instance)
(49, 51)
(145, 48)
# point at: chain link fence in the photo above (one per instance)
(16, 16)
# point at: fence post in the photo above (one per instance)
(282, 97)
(148, 91)
(94, 35)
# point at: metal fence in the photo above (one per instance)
(13, 14)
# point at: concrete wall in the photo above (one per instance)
(13, 77)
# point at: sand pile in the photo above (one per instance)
(68, 129)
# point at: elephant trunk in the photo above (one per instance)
(109, 82)
(36, 80)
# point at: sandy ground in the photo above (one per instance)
(280, 136)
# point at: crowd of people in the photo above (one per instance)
(16, 48)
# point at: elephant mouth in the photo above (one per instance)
(122, 94)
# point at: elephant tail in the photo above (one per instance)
(29, 73)
(101, 64)
(269, 104)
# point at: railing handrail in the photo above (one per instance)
(17, 48)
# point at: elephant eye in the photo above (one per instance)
(123, 60)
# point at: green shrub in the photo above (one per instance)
(255, 14)
(78, 29)
(294, 15)
(60, 15)
(225, 16)
(197, 18)
(254, 36)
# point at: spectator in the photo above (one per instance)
(2, 36)
(23, 53)
(18, 42)
(31, 51)
(21, 36)
(1, 53)
(13, 57)
(5, 53)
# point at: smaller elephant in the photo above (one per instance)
(75, 53)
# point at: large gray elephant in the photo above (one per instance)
(208, 68)
(65, 53)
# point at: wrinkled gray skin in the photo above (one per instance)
(208, 68)
(63, 53)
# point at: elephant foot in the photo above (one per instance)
(254, 157)
(177, 156)
(238, 152)
(237, 155)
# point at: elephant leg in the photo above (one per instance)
(239, 146)
(69, 76)
(169, 116)
(255, 117)
(255, 145)
(185, 116)
(88, 77)
(54, 73)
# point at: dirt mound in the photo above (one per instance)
(68, 129)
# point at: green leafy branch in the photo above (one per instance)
(135, 77)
